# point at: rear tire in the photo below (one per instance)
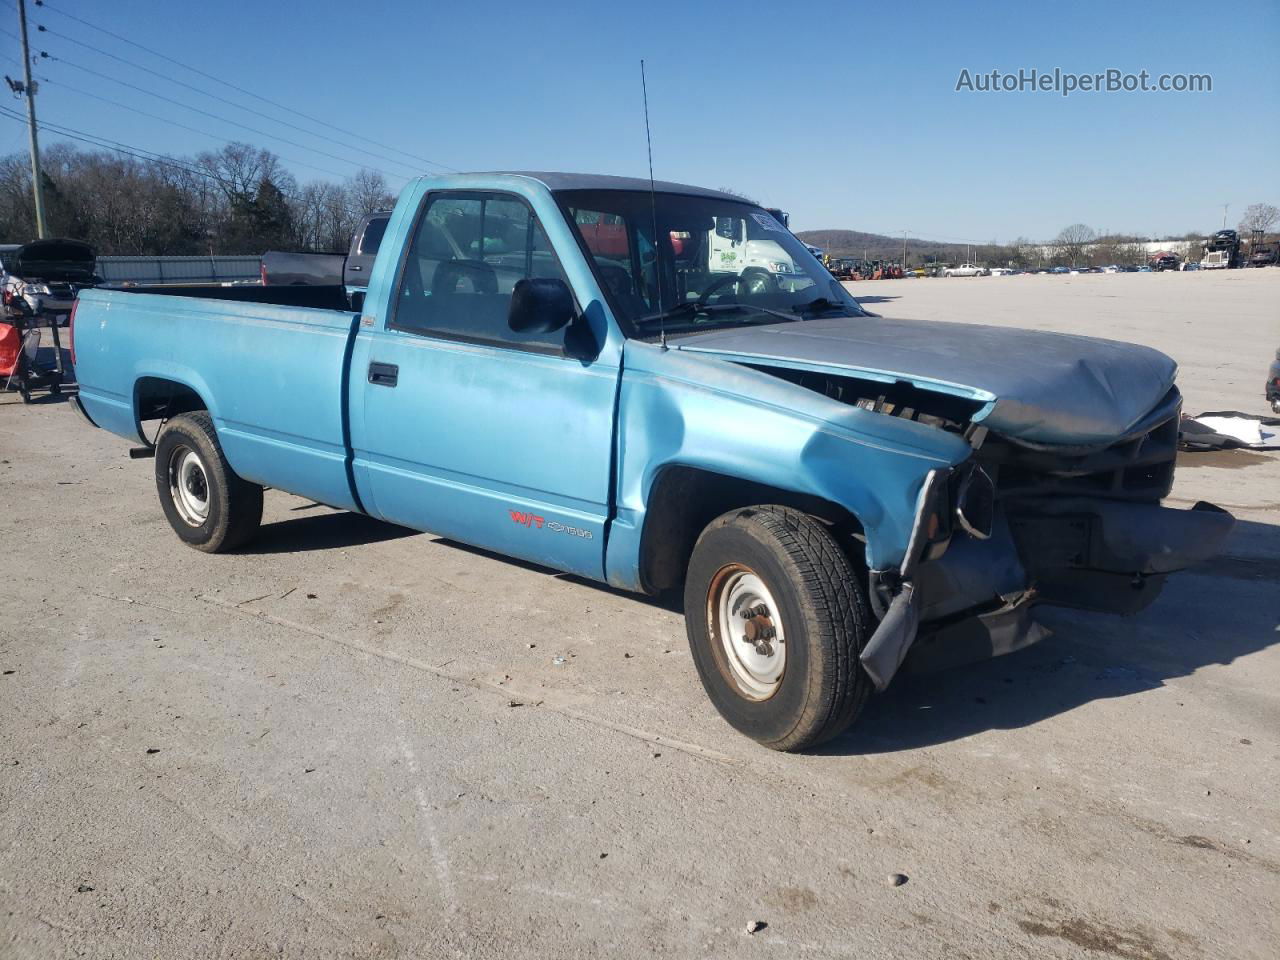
(777, 617)
(206, 503)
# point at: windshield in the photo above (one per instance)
(717, 262)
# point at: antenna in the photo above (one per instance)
(653, 204)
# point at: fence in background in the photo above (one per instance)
(178, 269)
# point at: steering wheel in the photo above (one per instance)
(715, 285)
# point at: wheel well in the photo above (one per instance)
(685, 499)
(156, 398)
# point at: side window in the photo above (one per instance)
(465, 259)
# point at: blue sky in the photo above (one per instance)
(843, 113)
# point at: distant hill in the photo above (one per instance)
(875, 246)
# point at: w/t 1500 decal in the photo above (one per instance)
(535, 522)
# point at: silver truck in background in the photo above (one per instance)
(350, 271)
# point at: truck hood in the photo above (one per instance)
(1041, 388)
(65, 261)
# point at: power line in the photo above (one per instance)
(214, 116)
(175, 123)
(242, 90)
(139, 153)
(214, 96)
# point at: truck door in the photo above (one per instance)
(466, 429)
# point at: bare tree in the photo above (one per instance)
(1071, 242)
(238, 168)
(739, 194)
(1023, 253)
(1259, 216)
(367, 191)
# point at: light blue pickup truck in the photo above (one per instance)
(658, 386)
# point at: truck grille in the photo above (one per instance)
(1138, 468)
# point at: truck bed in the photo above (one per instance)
(328, 297)
(273, 376)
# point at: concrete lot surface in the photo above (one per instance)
(351, 740)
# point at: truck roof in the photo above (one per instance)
(598, 181)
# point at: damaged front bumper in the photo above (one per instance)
(970, 597)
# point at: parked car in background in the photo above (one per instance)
(364, 247)
(1059, 270)
(964, 270)
(1164, 262)
(41, 279)
(1000, 272)
(349, 271)
(286, 268)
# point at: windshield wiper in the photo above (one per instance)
(688, 310)
(820, 305)
(693, 308)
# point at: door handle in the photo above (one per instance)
(383, 374)
(356, 267)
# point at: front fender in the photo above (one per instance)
(683, 409)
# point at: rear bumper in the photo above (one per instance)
(977, 599)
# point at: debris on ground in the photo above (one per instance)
(755, 926)
(153, 749)
(558, 660)
(897, 879)
(84, 888)
(1229, 430)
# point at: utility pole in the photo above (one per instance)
(904, 249)
(1224, 215)
(28, 89)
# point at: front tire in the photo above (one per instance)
(206, 503)
(776, 618)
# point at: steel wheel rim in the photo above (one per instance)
(189, 486)
(748, 627)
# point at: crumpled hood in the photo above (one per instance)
(1049, 388)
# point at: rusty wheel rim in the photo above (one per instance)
(747, 629)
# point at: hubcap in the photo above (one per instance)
(189, 486)
(748, 626)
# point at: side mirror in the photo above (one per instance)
(540, 306)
